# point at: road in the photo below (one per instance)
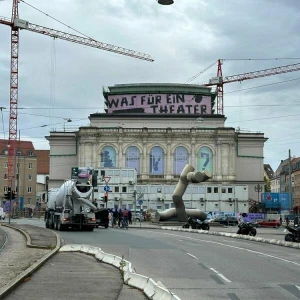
(198, 266)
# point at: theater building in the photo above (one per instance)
(156, 129)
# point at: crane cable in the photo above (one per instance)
(57, 20)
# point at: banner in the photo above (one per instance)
(161, 103)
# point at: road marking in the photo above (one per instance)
(217, 279)
(230, 246)
(220, 275)
(203, 266)
(298, 287)
(191, 255)
(233, 296)
(236, 242)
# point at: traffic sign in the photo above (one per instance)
(140, 202)
(106, 188)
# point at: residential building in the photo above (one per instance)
(43, 165)
(25, 175)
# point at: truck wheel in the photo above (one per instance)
(60, 227)
(47, 223)
(55, 223)
(106, 226)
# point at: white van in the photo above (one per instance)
(2, 214)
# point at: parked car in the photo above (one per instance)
(2, 214)
(268, 223)
(102, 217)
(229, 221)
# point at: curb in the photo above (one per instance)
(5, 290)
(146, 284)
(238, 236)
(28, 238)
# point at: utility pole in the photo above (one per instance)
(290, 181)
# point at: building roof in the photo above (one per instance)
(269, 171)
(23, 146)
(139, 88)
(43, 161)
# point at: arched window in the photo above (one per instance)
(205, 160)
(157, 161)
(181, 158)
(108, 157)
(132, 158)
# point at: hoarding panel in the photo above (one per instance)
(161, 103)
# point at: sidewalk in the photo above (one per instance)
(30, 267)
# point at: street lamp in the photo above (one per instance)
(67, 121)
(258, 188)
(165, 2)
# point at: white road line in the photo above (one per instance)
(220, 275)
(192, 255)
(298, 287)
(236, 242)
(230, 246)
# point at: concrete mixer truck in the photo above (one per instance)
(69, 206)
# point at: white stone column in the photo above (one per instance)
(168, 158)
(218, 160)
(231, 160)
(193, 159)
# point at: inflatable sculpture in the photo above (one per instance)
(187, 176)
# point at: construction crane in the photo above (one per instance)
(219, 81)
(16, 24)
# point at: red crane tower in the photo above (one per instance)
(16, 24)
(219, 81)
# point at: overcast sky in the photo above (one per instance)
(60, 80)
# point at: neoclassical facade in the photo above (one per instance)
(159, 137)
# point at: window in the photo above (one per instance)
(132, 158)
(6, 164)
(30, 166)
(17, 176)
(5, 152)
(5, 176)
(117, 189)
(30, 153)
(108, 157)
(229, 190)
(29, 189)
(29, 177)
(117, 172)
(223, 190)
(209, 190)
(124, 189)
(18, 165)
(157, 161)
(19, 153)
(216, 190)
(205, 159)
(180, 159)
(5, 189)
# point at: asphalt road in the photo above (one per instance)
(199, 266)
(202, 266)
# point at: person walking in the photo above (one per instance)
(120, 217)
(129, 216)
(115, 215)
(280, 220)
(125, 218)
(287, 220)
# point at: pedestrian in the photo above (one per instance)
(129, 216)
(280, 220)
(287, 220)
(125, 218)
(120, 217)
(115, 217)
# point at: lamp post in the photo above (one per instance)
(165, 2)
(258, 188)
(67, 121)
